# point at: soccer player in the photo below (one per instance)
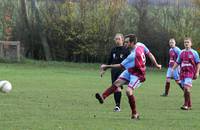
(133, 75)
(173, 55)
(189, 62)
(117, 55)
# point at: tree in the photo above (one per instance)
(42, 34)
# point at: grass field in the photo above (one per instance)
(60, 96)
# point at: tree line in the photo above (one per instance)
(83, 31)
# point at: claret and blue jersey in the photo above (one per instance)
(135, 62)
(173, 55)
(188, 59)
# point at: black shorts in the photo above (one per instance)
(115, 73)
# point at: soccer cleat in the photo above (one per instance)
(135, 116)
(99, 98)
(164, 95)
(117, 109)
(185, 108)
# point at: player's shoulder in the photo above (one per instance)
(140, 44)
(132, 54)
(113, 49)
(177, 48)
(194, 51)
(125, 48)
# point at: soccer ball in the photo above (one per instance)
(5, 86)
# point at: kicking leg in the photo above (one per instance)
(110, 90)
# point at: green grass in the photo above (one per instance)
(60, 96)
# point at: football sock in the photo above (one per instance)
(117, 97)
(131, 99)
(189, 100)
(186, 98)
(167, 86)
(109, 91)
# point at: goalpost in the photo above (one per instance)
(10, 50)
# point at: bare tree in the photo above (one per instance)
(142, 9)
(41, 32)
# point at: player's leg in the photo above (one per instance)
(187, 83)
(176, 77)
(167, 83)
(117, 98)
(123, 79)
(110, 90)
(117, 94)
(178, 82)
(133, 84)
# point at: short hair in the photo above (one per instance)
(119, 35)
(172, 39)
(132, 38)
(188, 38)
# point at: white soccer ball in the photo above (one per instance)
(5, 86)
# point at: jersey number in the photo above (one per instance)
(143, 58)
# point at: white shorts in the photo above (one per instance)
(186, 82)
(133, 81)
(175, 74)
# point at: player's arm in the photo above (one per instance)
(153, 60)
(126, 63)
(197, 71)
(197, 61)
(104, 67)
(175, 65)
(151, 57)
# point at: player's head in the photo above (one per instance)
(126, 42)
(119, 39)
(188, 42)
(172, 42)
(132, 39)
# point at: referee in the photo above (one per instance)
(117, 55)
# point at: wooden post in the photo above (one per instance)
(18, 51)
(1, 50)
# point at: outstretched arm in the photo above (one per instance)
(153, 60)
(104, 67)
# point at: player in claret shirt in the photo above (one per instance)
(189, 63)
(133, 75)
(173, 55)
